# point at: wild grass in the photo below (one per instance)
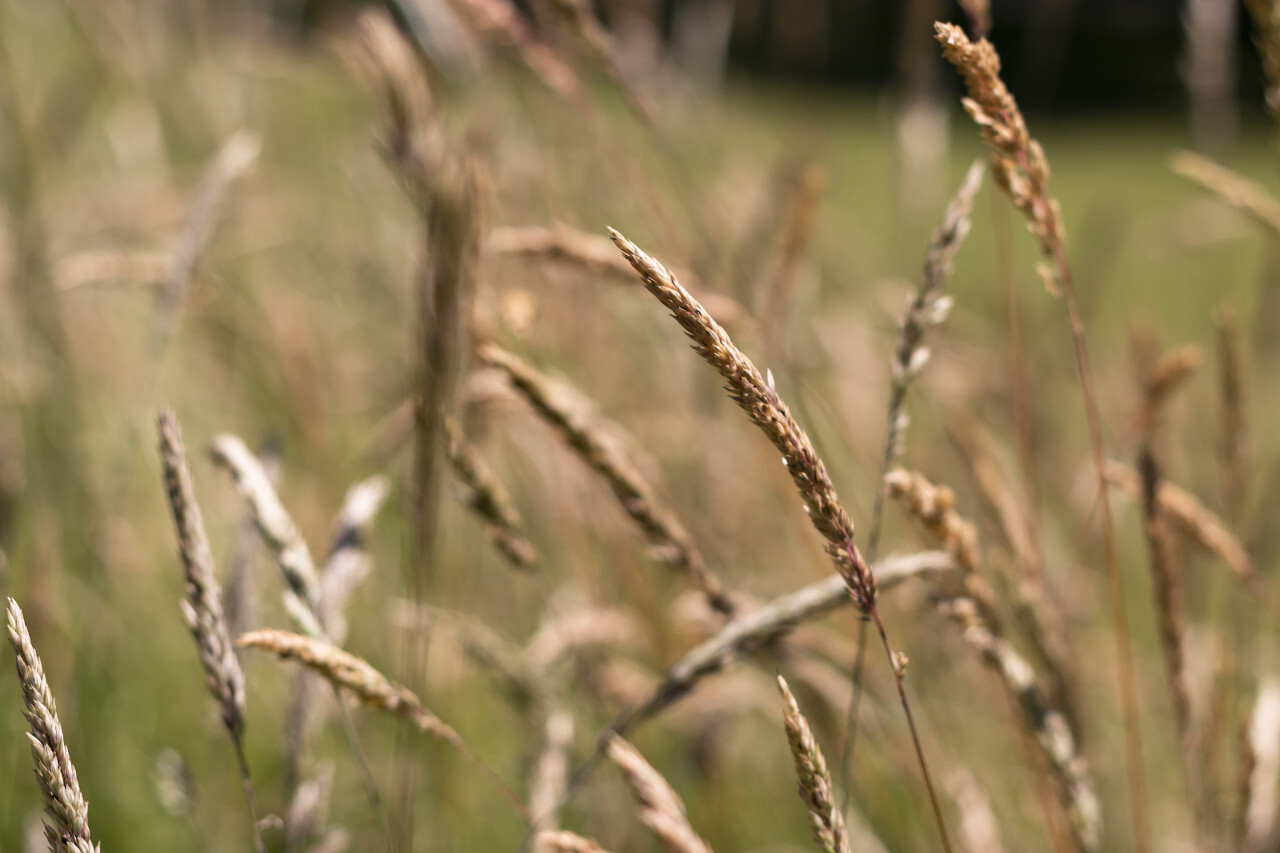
(412, 295)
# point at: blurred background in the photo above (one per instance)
(201, 206)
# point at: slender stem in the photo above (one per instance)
(851, 722)
(366, 773)
(498, 782)
(896, 398)
(248, 793)
(899, 678)
(1119, 614)
(1023, 422)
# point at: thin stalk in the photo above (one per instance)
(929, 307)
(756, 395)
(851, 720)
(366, 772)
(1022, 172)
(899, 676)
(1119, 614)
(1020, 387)
(248, 793)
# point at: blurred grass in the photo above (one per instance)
(300, 327)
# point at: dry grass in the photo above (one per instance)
(489, 499)
(815, 782)
(660, 806)
(593, 444)
(364, 317)
(1021, 170)
(349, 672)
(970, 605)
(67, 827)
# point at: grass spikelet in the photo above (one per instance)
(345, 670)
(1231, 188)
(660, 526)
(761, 402)
(1021, 170)
(67, 827)
(928, 308)
(1170, 371)
(965, 606)
(766, 410)
(825, 820)
(489, 499)
(351, 673)
(279, 533)
(660, 807)
(202, 608)
(344, 569)
(1193, 520)
(1018, 164)
(348, 562)
(597, 255)
(934, 507)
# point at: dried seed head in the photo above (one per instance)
(753, 393)
(1018, 163)
(202, 608)
(660, 806)
(825, 819)
(67, 827)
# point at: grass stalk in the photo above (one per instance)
(344, 670)
(489, 499)
(660, 806)
(303, 598)
(588, 438)
(969, 606)
(202, 608)
(928, 307)
(67, 825)
(758, 398)
(825, 816)
(1021, 170)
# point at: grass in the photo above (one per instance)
(300, 325)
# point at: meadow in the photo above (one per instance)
(306, 244)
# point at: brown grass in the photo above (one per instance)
(970, 606)
(660, 806)
(765, 408)
(825, 820)
(345, 670)
(1021, 170)
(67, 827)
(593, 444)
(489, 498)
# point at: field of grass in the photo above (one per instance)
(301, 329)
